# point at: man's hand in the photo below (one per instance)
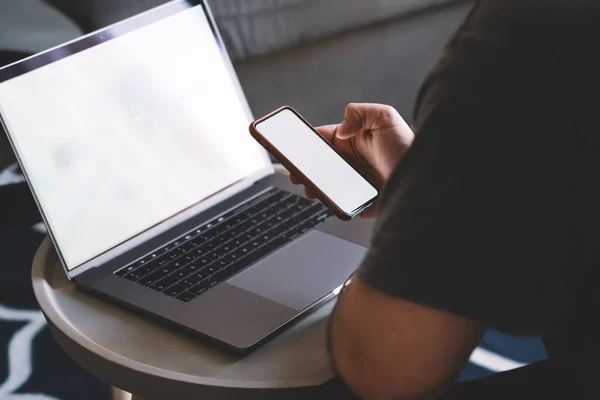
(373, 138)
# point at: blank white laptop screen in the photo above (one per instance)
(123, 135)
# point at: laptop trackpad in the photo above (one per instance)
(303, 271)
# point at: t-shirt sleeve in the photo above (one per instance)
(475, 220)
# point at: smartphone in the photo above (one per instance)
(286, 135)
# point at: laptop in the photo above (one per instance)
(134, 141)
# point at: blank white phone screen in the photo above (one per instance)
(319, 162)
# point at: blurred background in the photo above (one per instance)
(316, 55)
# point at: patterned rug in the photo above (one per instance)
(33, 358)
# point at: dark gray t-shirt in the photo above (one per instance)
(493, 213)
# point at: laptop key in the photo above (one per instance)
(150, 279)
(166, 270)
(317, 219)
(127, 270)
(153, 267)
(203, 262)
(181, 274)
(162, 261)
(179, 250)
(293, 232)
(199, 251)
(277, 197)
(138, 273)
(198, 289)
(193, 255)
(236, 243)
(187, 283)
(199, 277)
(210, 282)
(164, 283)
(144, 270)
(133, 276)
(190, 269)
(227, 248)
(217, 231)
(270, 223)
(232, 257)
(196, 242)
(235, 231)
(245, 226)
(186, 296)
(184, 248)
(174, 290)
(222, 275)
(246, 237)
(196, 265)
(244, 251)
(222, 239)
(256, 231)
(305, 202)
(187, 258)
(218, 253)
(210, 270)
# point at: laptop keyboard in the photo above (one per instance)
(214, 252)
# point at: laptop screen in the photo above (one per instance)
(127, 133)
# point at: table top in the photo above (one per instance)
(151, 359)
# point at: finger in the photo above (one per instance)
(370, 212)
(309, 194)
(294, 180)
(328, 131)
(366, 116)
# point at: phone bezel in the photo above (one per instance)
(263, 141)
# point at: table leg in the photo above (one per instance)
(118, 394)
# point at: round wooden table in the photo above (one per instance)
(154, 361)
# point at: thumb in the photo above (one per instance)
(346, 131)
(352, 124)
(360, 117)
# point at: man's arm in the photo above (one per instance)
(388, 348)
